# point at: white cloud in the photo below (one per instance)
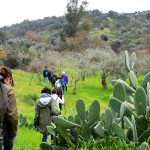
(15, 11)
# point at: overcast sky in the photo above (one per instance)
(15, 11)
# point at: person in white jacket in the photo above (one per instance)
(58, 101)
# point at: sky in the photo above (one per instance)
(15, 11)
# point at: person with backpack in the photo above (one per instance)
(60, 83)
(53, 79)
(58, 101)
(46, 74)
(9, 114)
(64, 78)
(44, 110)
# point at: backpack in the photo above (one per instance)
(46, 72)
(53, 79)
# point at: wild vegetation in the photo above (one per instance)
(89, 46)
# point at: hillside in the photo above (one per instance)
(128, 30)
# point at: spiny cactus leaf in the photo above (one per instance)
(145, 135)
(115, 104)
(140, 101)
(135, 138)
(63, 132)
(119, 91)
(46, 146)
(94, 112)
(133, 79)
(130, 106)
(141, 124)
(128, 112)
(128, 89)
(122, 109)
(50, 130)
(98, 129)
(108, 118)
(118, 131)
(127, 123)
(129, 99)
(146, 79)
(148, 94)
(127, 63)
(71, 119)
(77, 119)
(148, 113)
(80, 106)
(59, 121)
(132, 60)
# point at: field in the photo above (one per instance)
(26, 94)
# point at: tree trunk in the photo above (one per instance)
(104, 76)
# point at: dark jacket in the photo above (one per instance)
(3, 104)
(10, 122)
(44, 110)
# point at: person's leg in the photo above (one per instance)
(44, 138)
(8, 143)
(66, 86)
(1, 144)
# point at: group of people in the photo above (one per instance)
(50, 102)
(49, 77)
(8, 110)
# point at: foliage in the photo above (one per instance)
(73, 16)
(3, 37)
(132, 104)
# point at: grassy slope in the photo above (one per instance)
(88, 90)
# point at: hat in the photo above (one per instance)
(63, 72)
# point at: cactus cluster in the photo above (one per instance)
(127, 116)
(131, 103)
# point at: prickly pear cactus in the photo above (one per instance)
(93, 112)
(80, 107)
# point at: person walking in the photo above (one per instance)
(44, 110)
(46, 74)
(64, 78)
(58, 101)
(10, 118)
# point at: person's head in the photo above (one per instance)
(46, 90)
(6, 73)
(54, 90)
(63, 72)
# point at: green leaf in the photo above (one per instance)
(133, 79)
(119, 91)
(140, 101)
(80, 106)
(94, 112)
(98, 129)
(146, 79)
